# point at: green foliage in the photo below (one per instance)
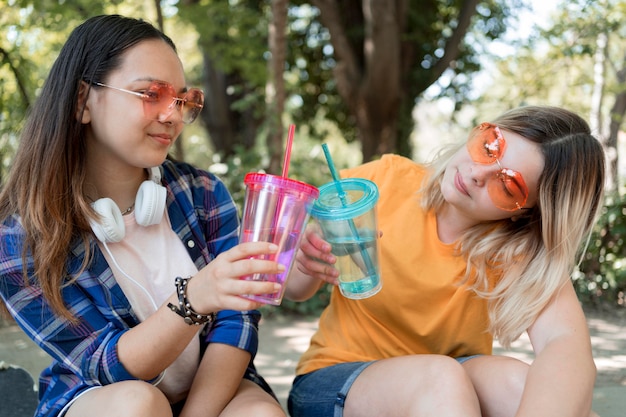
(25, 58)
(233, 33)
(307, 163)
(426, 37)
(233, 170)
(601, 279)
(31, 34)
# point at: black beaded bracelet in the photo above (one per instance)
(184, 307)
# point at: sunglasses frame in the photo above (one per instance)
(188, 116)
(494, 149)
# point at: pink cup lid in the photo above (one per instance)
(282, 183)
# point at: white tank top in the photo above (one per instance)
(145, 264)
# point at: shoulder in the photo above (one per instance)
(388, 166)
(182, 176)
(183, 171)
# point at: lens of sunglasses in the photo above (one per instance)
(486, 144)
(507, 188)
(160, 99)
(194, 101)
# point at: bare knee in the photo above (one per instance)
(449, 389)
(511, 379)
(252, 400)
(499, 382)
(122, 399)
(445, 372)
(424, 385)
(267, 409)
(515, 378)
(143, 399)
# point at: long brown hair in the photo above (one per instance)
(45, 183)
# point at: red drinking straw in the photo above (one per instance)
(292, 130)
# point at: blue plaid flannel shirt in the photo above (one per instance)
(202, 214)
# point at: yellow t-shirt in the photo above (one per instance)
(420, 308)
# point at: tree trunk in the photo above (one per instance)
(275, 87)
(617, 117)
(597, 95)
(227, 127)
(371, 90)
(372, 81)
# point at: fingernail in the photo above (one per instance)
(281, 267)
(277, 287)
(273, 247)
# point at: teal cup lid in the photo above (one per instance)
(360, 196)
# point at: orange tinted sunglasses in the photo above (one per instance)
(507, 188)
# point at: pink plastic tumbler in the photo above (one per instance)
(276, 209)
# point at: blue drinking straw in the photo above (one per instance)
(342, 197)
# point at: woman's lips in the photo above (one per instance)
(163, 138)
(459, 184)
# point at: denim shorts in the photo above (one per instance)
(322, 393)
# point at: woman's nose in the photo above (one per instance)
(172, 113)
(481, 173)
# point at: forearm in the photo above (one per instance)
(149, 348)
(217, 380)
(560, 381)
(561, 378)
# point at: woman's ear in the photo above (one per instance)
(82, 109)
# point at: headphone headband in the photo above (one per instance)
(155, 174)
(149, 209)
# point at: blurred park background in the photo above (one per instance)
(367, 77)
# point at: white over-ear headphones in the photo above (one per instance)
(149, 208)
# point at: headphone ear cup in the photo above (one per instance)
(110, 227)
(150, 203)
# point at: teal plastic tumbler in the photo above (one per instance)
(346, 213)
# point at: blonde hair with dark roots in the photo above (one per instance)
(533, 254)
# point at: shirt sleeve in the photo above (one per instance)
(86, 348)
(221, 219)
(235, 328)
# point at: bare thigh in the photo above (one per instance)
(251, 400)
(416, 386)
(122, 399)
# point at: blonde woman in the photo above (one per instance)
(478, 245)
